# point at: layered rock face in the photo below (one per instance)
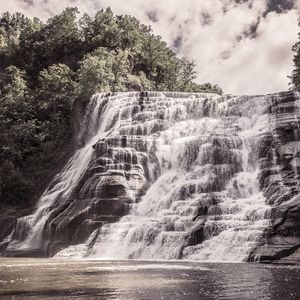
(173, 175)
(279, 180)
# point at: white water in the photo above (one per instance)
(207, 157)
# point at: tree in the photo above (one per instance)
(16, 130)
(12, 83)
(95, 73)
(132, 34)
(154, 56)
(62, 36)
(13, 95)
(11, 26)
(102, 31)
(14, 188)
(120, 69)
(57, 89)
(295, 78)
(138, 82)
(204, 88)
(103, 71)
(57, 41)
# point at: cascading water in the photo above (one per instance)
(98, 117)
(199, 154)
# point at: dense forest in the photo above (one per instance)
(45, 66)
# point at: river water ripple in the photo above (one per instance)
(89, 279)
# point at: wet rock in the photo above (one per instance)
(196, 235)
(7, 225)
(279, 180)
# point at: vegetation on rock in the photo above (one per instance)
(295, 77)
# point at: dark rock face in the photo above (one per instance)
(7, 225)
(279, 180)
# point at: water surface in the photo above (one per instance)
(71, 279)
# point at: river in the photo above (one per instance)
(26, 278)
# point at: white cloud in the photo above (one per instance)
(215, 33)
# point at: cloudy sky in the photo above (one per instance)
(242, 45)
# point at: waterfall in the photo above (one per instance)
(196, 159)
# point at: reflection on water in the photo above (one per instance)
(61, 279)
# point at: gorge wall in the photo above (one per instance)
(164, 175)
(279, 180)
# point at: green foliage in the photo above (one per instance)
(138, 82)
(13, 97)
(96, 72)
(57, 41)
(14, 187)
(45, 66)
(203, 88)
(57, 89)
(295, 78)
(10, 28)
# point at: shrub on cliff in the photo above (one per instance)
(295, 77)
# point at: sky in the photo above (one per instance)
(244, 46)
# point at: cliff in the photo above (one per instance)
(279, 180)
